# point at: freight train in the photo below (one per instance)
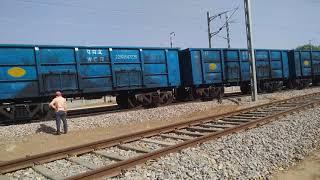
(147, 76)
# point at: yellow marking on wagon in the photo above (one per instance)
(16, 72)
(212, 66)
(306, 63)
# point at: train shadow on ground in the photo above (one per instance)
(21, 122)
(46, 129)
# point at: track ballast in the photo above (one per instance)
(154, 143)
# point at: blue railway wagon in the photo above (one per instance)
(18, 73)
(31, 74)
(304, 68)
(202, 73)
(134, 75)
(272, 68)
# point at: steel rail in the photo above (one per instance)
(114, 108)
(29, 161)
(59, 154)
(103, 109)
(115, 169)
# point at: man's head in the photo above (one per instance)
(58, 93)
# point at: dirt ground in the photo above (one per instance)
(308, 169)
(39, 143)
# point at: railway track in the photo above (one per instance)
(85, 112)
(150, 144)
(114, 108)
(98, 110)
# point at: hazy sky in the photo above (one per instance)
(276, 23)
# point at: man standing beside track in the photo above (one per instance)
(59, 104)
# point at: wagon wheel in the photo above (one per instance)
(290, 85)
(245, 88)
(155, 100)
(305, 84)
(193, 95)
(220, 94)
(207, 95)
(182, 94)
(124, 101)
(279, 86)
(261, 87)
(269, 87)
(132, 102)
(48, 115)
(299, 85)
(166, 98)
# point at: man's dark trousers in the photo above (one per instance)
(61, 116)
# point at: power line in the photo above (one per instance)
(211, 18)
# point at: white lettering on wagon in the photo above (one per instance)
(125, 56)
(95, 55)
(94, 51)
(95, 59)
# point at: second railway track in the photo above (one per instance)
(102, 109)
(80, 112)
(150, 144)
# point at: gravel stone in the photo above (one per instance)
(168, 140)
(143, 115)
(60, 167)
(95, 159)
(28, 174)
(150, 146)
(123, 153)
(255, 153)
(252, 154)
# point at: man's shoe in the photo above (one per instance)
(58, 133)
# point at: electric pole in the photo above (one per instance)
(252, 61)
(209, 32)
(211, 18)
(172, 34)
(228, 30)
(310, 44)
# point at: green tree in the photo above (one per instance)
(308, 47)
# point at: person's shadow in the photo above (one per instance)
(46, 129)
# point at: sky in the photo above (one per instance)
(277, 24)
